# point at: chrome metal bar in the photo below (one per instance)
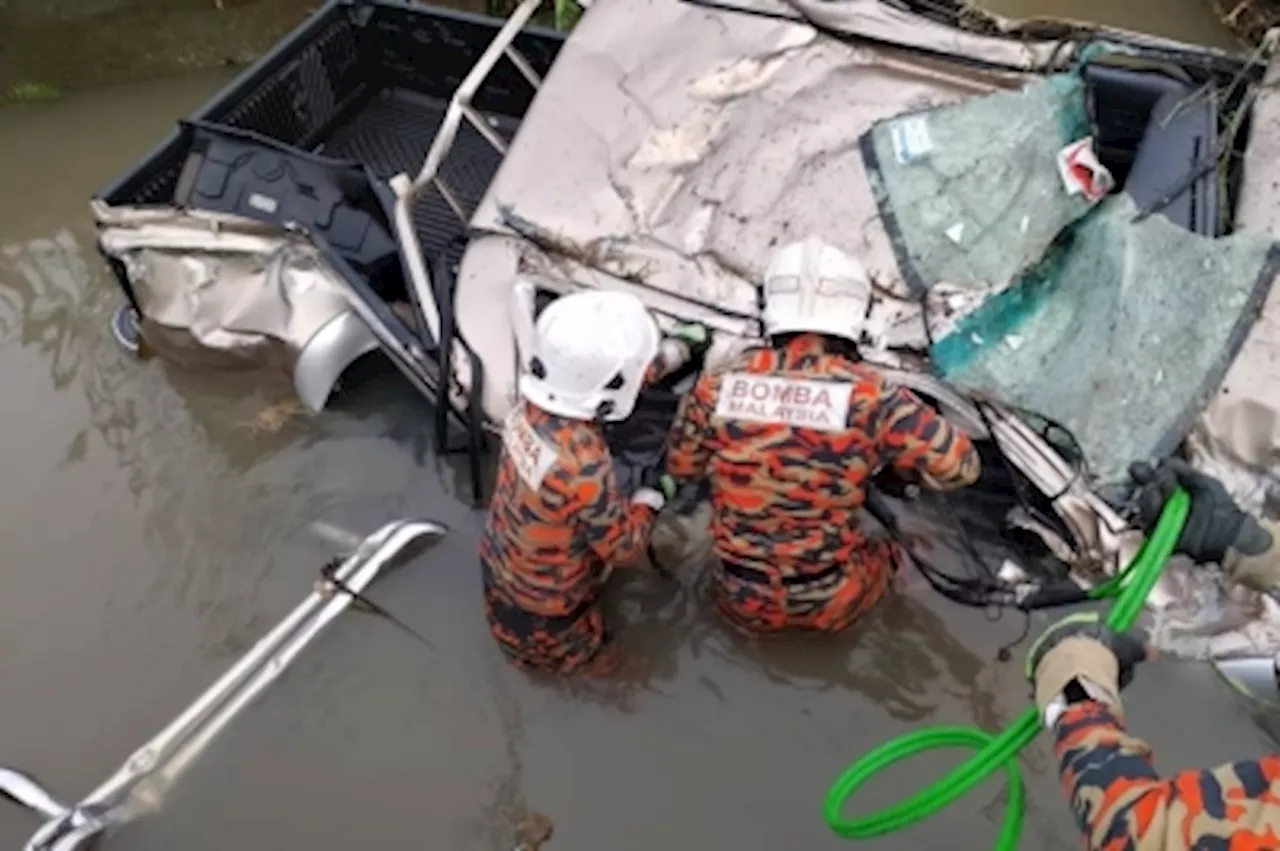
(482, 126)
(334, 605)
(1257, 677)
(24, 789)
(451, 199)
(56, 832)
(523, 66)
(140, 784)
(407, 190)
(342, 540)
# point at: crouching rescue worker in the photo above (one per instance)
(1079, 667)
(558, 522)
(790, 435)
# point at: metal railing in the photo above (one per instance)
(141, 782)
(408, 191)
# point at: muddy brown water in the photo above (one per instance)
(148, 535)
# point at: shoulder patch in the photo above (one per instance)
(532, 454)
(795, 402)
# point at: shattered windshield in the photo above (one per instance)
(1119, 334)
(968, 198)
(1114, 323)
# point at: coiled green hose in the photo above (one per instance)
(1129, 588)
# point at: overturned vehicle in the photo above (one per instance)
(1070, 231)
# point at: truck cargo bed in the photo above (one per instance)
(391, 133)
(366, 81)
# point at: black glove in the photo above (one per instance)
(1214, 524)
(904, 484)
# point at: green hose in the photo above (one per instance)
(1129, 588)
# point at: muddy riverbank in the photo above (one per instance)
(47, 48)
(157, 39)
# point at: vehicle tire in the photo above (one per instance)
(126, 327)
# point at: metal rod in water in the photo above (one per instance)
(343, 540)
(26, 790)
(141, 782)
(146, 757)
(283, 656)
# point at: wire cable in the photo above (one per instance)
(1129, 588)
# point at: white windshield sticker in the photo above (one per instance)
(533, 455)
(822, 405)
(911, 138)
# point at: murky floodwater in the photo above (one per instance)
(1191, 21)
(149, 535)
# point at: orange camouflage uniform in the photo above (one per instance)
(547, 551)
(1121, 804)
(786, 498)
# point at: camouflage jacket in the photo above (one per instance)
(1122, 804)
(558, 515)
(789, 438)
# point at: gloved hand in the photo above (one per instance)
(1081, 652)
(650, 497)
(1217, 530)
(655, 479)
(695, 335)
(896, 483)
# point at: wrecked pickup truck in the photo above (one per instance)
(1071, 229)
(264, 229)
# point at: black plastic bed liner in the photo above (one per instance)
(391, 135)
(366, 81)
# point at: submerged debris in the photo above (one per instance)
(30, 93)
(1248, 19)
(273, 418)
(533, 831)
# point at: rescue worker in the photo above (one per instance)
(558, 521)
(790, 435)
(1079, 667)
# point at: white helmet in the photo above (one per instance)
(815, 287)
(590, 354)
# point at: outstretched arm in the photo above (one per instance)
(1122, 804)
(915, 438)
(1078, 667)
(685, 342)
(688, 444)
(618, 528)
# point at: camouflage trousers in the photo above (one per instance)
(829, 601)
(577, 643)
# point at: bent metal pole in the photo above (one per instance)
(139, 785)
